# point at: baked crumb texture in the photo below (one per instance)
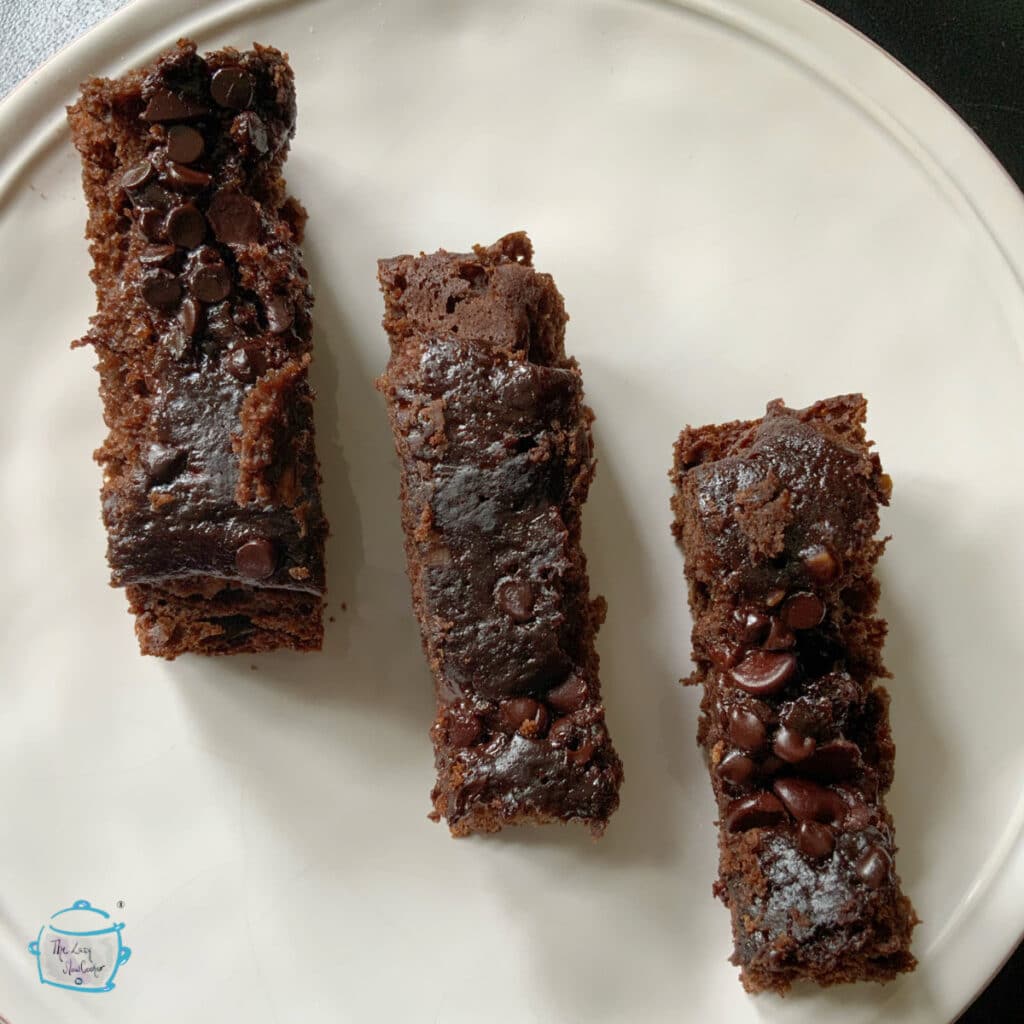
(211, 489)
(494, 443)
(777, 520)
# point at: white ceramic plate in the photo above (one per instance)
(740, 199)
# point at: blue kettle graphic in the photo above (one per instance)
(80, 949)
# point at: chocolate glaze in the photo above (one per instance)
(203, 336)
(777, 519)
(494, 443)
(216, 295)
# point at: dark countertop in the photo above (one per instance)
(970, 52)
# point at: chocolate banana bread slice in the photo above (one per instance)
(495, 450)
(211, 488)
(777, 520)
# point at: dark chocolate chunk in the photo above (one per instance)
(464, 729)
(250, 129)
(780, 637)
(820, 564)
(807, 801)
(157, 255)
(231, 87)
(569, 736)
(815, 839)
(161, 289)
(568, 696)
(256, 559)
(151, 224)
(834, 761)
(153, 196)
(184, 144)
(803, 611)
(759, 811)
(762, 673)
(515, 598)
(210, 282)
(190, 316)
(793, 747)
(746, 730)
(737, 768)
(182, 177)
(163, 463)
(753, 624)
(165, 105)
(279, 314)
(186, 226)
(240, 365)
(137, 176)
(526, 715)
(873, 867)
(234, 218)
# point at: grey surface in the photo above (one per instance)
(34, 30)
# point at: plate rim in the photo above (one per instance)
(821, 44)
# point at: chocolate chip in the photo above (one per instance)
(177, 343)
(151, 224)
(736, 768)
(834, 761)
(184, 144)
(780, 637)
(724, 655)
(161, 289)
(746, 730)
(464, 729)
(190, 316)
(581, 755)
(162, 463)
(759, 811)
(820, 564)
(803, 611)
(231, 87)
(793, 747)
(515, 598)
(807, 801)
(248, 129)
(186, 226)
(873, 867)
(858, 814)
(279, 314)
(815, 839)
(137, 176)
(753, 624)
(256, 559)
(165, 105)
(568, 696)
(763, 672)
(525, 715)
(210, 282)
(568, 736)
(234, 218)
(153, 197)
(184, 177)
(157, 255)
(775, 597)
(239, 364)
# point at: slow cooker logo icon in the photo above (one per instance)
(80, 948)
